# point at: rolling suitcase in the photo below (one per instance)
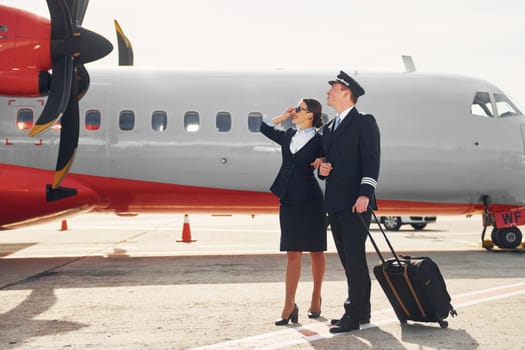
(414, 285)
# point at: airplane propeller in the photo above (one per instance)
(71, 47)
(125, 50)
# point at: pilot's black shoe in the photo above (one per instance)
(345, 324)
(334, 321)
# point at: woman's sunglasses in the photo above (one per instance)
(299, 108)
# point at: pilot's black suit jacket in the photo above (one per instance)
(353, 149)
(295, 181)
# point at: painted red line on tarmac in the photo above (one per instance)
(317, 331)
(308, 333)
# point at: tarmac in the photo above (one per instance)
(111, 282)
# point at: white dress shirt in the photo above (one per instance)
(344, 114)
(301, 138)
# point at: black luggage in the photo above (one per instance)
(414, 286)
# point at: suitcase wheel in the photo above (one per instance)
(443, 324)
(453, 312)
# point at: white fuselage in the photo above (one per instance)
(433, 148)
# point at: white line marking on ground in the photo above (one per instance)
(317, 331)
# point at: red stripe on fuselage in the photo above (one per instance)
(123, 195)
(22, 194)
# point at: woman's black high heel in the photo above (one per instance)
(315, 314)
(294, 316)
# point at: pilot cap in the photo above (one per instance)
(350, 83)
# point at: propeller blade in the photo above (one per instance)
(71, 47)
(61, 28)
(77, 9)
(58, 95)
(61, 25)
(69, 134)
(125, 50)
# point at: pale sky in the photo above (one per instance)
(479, 38)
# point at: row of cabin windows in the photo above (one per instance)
(159, 120)
(483, 106)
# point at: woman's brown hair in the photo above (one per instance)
(315, 107)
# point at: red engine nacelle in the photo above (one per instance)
(25, 53)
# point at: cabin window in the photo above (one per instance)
(481, 105)
(24, 118)
(93, 118)
(254, 121)
(57, 126)
(191, 121)
(159, 120)
(127, 120)
(505, 107)
(223, 122)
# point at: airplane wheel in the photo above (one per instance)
(392, 223)
(509, 237)
(494, 236)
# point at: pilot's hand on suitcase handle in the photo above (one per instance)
(361, 205)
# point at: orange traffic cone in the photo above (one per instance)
(63, 227)
(186, 232)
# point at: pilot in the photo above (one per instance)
(301, 214)
(351, 170)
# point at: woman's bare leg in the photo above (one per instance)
(293, 273)
(318, 269)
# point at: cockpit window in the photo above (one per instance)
(481, 105)
(505, 106)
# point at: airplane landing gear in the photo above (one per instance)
(505, 233)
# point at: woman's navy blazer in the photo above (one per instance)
(295, 181)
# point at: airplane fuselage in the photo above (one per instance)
(193, 143)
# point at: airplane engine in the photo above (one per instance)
(24, 204)
(30, 46)
(25, 53)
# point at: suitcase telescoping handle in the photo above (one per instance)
(365, 227)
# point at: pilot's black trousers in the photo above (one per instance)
(350, 238)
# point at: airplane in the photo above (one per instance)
(188, 141)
